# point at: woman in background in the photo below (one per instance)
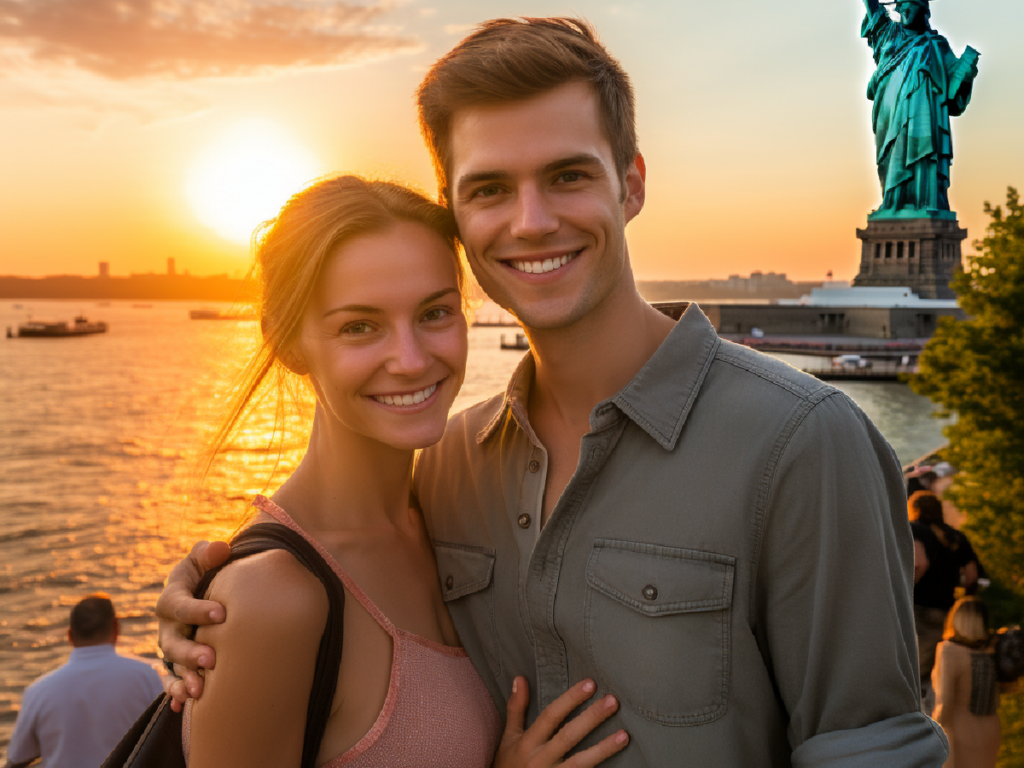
(966, 689)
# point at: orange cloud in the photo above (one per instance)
(184, 39)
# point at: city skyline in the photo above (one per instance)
(753, 120)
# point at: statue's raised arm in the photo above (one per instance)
(917, 85)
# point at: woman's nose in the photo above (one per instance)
(408, 355)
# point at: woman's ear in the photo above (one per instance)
(292, 359)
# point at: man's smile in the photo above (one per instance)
(543, 263)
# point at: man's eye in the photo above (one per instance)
(570, 176)
(490, 191)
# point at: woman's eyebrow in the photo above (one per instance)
(363, 309)
(366, 309)
(438, 294)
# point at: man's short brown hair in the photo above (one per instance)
(515, 59)
(92, 619)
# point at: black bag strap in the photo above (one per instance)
(266, 536)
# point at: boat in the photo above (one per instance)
(495, 324)
(216, 314)
(521, 342)
(37, 329)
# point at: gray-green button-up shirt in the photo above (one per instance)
(731, 559)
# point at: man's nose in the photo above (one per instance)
(407, 355)
(533, 216)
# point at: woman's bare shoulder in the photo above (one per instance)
(271, 588)
(252, 711)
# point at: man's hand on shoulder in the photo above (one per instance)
(178, 611)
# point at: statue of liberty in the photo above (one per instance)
(918, 84)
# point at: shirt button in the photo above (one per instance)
(534, 465)
(524, 521)
(449, 583)
(651, 592)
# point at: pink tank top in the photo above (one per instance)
(437, 713)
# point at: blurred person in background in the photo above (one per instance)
(72, 717)
(966, 688)
(940, 552)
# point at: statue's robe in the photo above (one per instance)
(917, 85)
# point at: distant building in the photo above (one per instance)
(104, 269)
(170, 267)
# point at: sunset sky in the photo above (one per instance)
(136, 130)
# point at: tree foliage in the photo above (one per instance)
(975, 369)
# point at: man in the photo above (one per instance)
(713, 537)
(74, 716)
(941, 553)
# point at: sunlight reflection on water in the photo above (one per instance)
(99, 445)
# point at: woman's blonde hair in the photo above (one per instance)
(967, 622)
(290, 252)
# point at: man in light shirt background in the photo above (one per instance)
(75, 715)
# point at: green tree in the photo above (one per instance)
(975, 369)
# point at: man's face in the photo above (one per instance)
(540, 207)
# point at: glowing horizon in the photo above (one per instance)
(755, 126)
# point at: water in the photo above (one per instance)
(99, 441)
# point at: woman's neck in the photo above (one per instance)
(347, 480)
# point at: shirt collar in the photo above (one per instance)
(516, 396)
(91, 652)
(659, 397)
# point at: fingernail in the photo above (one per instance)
(515, 685)
(213, 615)
(609, 701)
(204, 661)
(191, 691)
(589, 686)
(621, 737)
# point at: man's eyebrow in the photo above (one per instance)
(366, 309)
(583, 158)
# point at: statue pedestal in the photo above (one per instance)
(923, 254)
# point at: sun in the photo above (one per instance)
(245, 177)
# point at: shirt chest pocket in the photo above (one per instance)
(466, 575)
(658, 628)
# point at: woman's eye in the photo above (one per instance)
(437, 313)
(357, 329)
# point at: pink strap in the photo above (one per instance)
(266, 505)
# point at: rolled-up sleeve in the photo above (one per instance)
(833, 596)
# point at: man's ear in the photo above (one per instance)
(292, 359)
(635, 187)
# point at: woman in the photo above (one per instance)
(363, 297)
(966, 690)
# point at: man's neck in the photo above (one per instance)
(592, 360)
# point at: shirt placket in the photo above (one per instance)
(545, 561)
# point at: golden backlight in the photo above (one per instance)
(246, 176)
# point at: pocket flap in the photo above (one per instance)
(463, 569)
(656, 580)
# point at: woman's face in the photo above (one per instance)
(384, 337)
